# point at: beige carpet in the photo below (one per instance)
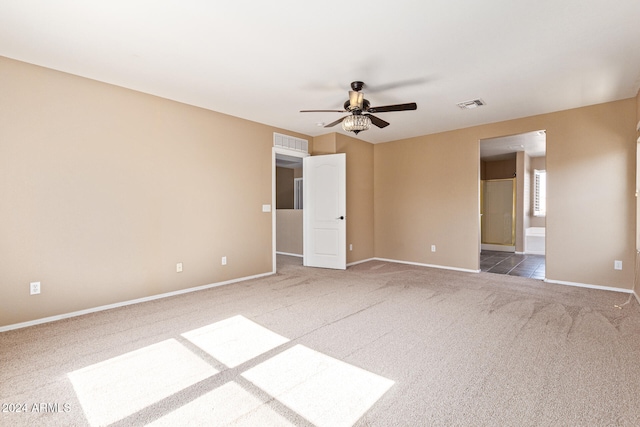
(380, 344)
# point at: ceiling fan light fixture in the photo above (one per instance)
(356, 100)
(356, 123)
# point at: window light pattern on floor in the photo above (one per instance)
(322, 390)
(116, 388)
(229, 404)
(235, 340)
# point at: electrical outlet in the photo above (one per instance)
(179, 267)
(224, 260)
(433, 248)
(617, 265)
(350, 247)
(34, 288)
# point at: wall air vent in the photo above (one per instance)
(290, 142)
(469, 105)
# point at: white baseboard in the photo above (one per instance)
(125, 303)
(288, 254)
(586, 285)
(442, 267)
(360, 262)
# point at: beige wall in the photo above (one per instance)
(426, 192)
(521, 195)
(105, 189)
(498, 169)
(359, 196)
(289, 231)
(284, 188)
(324, 144)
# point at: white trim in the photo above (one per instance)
(362, 261)
(291, 153)
(273, 210)
(586, 285)
(288, 254)
(443, 267)
(532, 252)
(126, 303)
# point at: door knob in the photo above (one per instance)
(341, 217)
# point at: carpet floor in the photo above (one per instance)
(380, 344)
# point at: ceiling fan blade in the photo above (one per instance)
(397, 107)
(377, 121)
(332, 124)
(323, 111)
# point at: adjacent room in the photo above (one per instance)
(281, 214)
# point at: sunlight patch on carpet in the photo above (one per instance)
(235, 340)
(324, 390)
(118, 387)
(229, 404)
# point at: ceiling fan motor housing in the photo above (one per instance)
(348, 107)
(357, 86)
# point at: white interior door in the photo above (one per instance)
(325, 206)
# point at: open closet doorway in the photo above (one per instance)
(288, 199)
(513, 204)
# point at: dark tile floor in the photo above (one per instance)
(532, 266)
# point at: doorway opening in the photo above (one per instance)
(288, 200)
(513, 204)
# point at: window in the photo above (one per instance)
(539, 192)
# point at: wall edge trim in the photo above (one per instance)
(589, 286)
(361, 261)
(442, 267)
(125, 303)
(288, 254)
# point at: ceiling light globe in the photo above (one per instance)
(356, 123)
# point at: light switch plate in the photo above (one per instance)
(266, 208)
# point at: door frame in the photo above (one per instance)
(274, 152)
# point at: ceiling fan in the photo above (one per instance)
(361, 118)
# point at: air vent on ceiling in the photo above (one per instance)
(468, 105)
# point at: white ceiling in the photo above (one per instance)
(532, 143)
(265, 61)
